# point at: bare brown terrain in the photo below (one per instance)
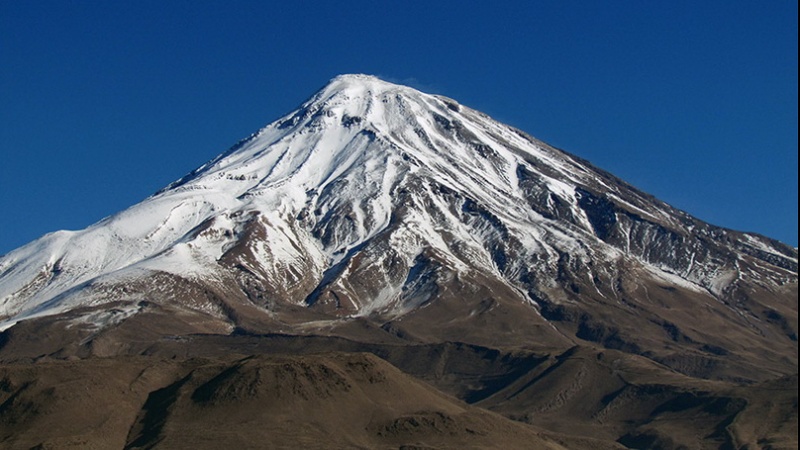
(284, 391)
(336, 400)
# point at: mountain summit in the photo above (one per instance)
(427, 220)
(379, 219)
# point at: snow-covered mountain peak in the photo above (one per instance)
(354, 87)
(364, 196)
(355, 84)
(356, 123)
(354, 95)
(368, 102)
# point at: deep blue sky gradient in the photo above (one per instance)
(103, 103)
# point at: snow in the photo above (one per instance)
(758, 243)
(101, 319)
(673, 279)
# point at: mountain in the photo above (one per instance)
(379, 215)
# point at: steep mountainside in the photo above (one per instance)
(385, 217)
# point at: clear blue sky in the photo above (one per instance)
(103, 103)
